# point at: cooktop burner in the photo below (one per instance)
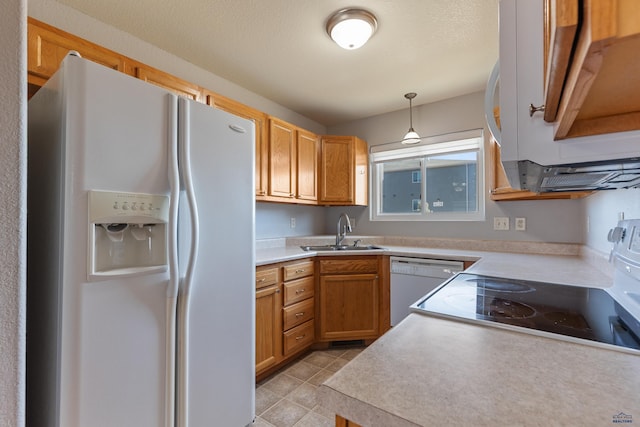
(584, 313)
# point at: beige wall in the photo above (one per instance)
(547, 220)
(12, 211)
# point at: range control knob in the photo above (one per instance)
(616, 234)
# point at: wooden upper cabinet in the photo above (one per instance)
(307, 167)
(167, 81)
(561, 23)
(601, 91)
(260, 120)
(343, 171)
(47, 47)
(282, 159)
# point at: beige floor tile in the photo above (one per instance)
(302, 370)
(313, 419)
(305, 395)
(284, 413)
(336, 365)
(351, 353)
(265, 399)
(289, 397)
(320, 377)
(319, 359)
(282, 384)
(261, 423)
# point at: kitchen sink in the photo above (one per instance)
(341, 248)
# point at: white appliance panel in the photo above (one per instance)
(114, 139)
(222, 295)
(99, 347)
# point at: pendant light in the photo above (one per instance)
(351, 28)
(412, 136)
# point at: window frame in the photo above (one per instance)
(456, 142)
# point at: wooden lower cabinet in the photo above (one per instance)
(343, 422)
(285, 312)
(349, 307)
(352, 301)
(268, 319)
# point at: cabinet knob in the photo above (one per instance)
(277, 291)
(533, 109)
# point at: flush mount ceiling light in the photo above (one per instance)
(351, 28)
(412, 136)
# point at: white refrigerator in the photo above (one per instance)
(141, 265)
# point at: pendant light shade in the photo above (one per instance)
(351, 28)
(412, 136)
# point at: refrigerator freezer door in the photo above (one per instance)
(99, 345)
(216, 300)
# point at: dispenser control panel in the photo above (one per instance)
(111, 206)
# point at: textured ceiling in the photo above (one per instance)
(280, 50)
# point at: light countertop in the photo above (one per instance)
(430, 371)
(558, 263)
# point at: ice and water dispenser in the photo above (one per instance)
(127, 233)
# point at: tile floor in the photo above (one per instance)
(288, 397)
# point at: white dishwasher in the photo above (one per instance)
(413, 278)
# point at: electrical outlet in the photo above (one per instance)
(501, 223)
(521, 224)
(292, 222)
(352, 221)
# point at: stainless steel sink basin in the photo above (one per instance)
(341, 248)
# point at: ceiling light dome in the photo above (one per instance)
(351, 28)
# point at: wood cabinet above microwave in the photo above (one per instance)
(592, 78)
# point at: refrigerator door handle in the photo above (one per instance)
(174, 273)
(184, 145)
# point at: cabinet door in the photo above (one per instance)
(337, 169)
(47, 47)
(260, 120)
(307, 176)
(282, 155)
(178, 86)
(268, 327)
(349, 307)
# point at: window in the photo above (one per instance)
(439, 180)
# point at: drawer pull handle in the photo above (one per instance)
(264, 279)
(302, 270)
(301, 337)
(299, 291)
(299, 314)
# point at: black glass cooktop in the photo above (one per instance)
(584, 313)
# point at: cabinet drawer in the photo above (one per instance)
(333, 266)
(298, 290)
(298, 270)
(298, 313)
(298, 338)
(266, 277)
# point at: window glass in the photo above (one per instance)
(438, 180)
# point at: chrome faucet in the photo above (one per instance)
(342, 231)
